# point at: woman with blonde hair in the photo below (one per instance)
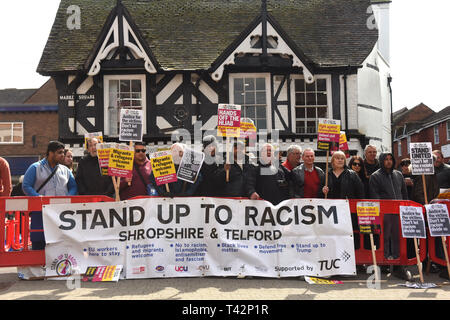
(343, 183)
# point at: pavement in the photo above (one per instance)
(360, 287)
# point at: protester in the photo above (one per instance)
(5, 178)
(356, 164)
(342, 182)
(17, 190)
(371, 163)
(308, 180)
(388, 183)
(294, 154)
(208, 186)
(47, 177)
(89, 178)
(267, 181)
(239, 169)
(442, 170)
(139, 184)
(180, 188)
(405, 168)
(431, 184)
(418, 195)
(68, 159)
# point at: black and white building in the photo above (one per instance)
(287, 62)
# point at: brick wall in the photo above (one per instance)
(426, 135)
(42, 124)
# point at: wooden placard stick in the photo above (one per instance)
(227, 179)
(116, 184)
(374, 258)
(426, 202)
(444, 245)
(167, 188)
(131, 145)
(326, 173)
(419, 264)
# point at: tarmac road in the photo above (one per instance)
(219, 288)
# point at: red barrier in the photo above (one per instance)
(15, 233)
(364, 255)
(432, 241)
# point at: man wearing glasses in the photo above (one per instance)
(137, 185)
(89, 177)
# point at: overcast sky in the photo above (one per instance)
(420, 48)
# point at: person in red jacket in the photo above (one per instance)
(5, 178)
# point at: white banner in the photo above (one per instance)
(191, 237)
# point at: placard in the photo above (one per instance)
(421, 158)
(102, 274)
(131, 125)
(90, 135)
(103, 151)
(412, 222)
(368, 216)
(229, 120)
(343, 144)
(438, 220)
(163, 167)
(248, 129)
(190, 165)
(329, 132)
(120, 163)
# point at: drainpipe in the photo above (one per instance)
(389, 80)
(346, 101)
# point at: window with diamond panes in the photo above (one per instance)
(250, 93)
(123, 93)
(311, 103)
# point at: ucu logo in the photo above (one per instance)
(181, 269)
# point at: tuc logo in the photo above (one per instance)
(181, 268)
(329, 264)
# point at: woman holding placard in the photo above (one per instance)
(343, 183)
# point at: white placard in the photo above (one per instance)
(131, 125)
(421, 158)
(438, 221)
(412, 222)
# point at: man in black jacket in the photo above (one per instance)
(208, 186)
(89, 178)
(442, 170)
(239, 168)
(266, 181)
(388, 183)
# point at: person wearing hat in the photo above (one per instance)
(208, 186)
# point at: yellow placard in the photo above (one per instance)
(121, 162)
(329, 128)
(163, 167)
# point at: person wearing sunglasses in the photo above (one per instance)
(89, 179)
(139, 184)
(356, 163)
